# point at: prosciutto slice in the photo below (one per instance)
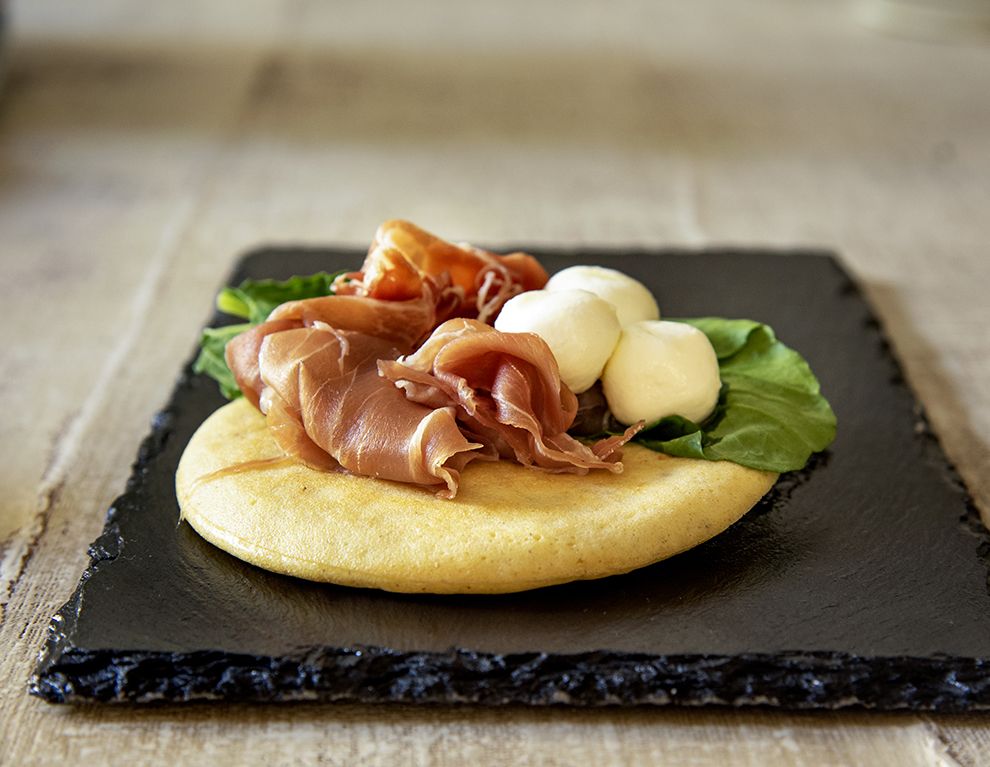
(328, 408)
(401, 323)
(403, 256)
(507, 392)
(397, 375)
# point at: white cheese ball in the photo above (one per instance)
(580, 329)
(661, 368)
(632, 300)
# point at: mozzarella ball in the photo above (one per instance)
(580, 329)
(632, 300)
(661, 368)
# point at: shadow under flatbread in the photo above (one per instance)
(861, 581)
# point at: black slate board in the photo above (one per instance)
(860, 582)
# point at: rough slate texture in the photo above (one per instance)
(862, 581)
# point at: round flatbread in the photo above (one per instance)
(509, 528)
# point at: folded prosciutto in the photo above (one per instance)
(344, 400)
(398, 376)
(402, 323)
(403, 256)
(328, 408)
(507, 392)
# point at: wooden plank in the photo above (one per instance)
(132, 173)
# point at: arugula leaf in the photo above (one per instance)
(252, 300)
(770, 413)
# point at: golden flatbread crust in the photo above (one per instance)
(509, 528)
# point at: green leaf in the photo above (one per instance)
(770, 413)
(252, 300)
(211, 360)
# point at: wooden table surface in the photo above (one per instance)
(144, 145)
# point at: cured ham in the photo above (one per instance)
(388, 378)
(328, 408)
(507, 392)
(402, 323)
(402, 257)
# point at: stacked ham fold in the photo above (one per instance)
(398, 375)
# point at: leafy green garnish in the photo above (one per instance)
(770, 413)
(252, 300)
(211, 360)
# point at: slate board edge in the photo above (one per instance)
(800, 680)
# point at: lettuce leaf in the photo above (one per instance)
(211, 360)
(770, 413)
(252, 300)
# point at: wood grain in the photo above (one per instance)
(143, 148)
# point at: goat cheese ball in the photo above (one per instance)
(661, 368)
(632, 300)
(580, 328)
